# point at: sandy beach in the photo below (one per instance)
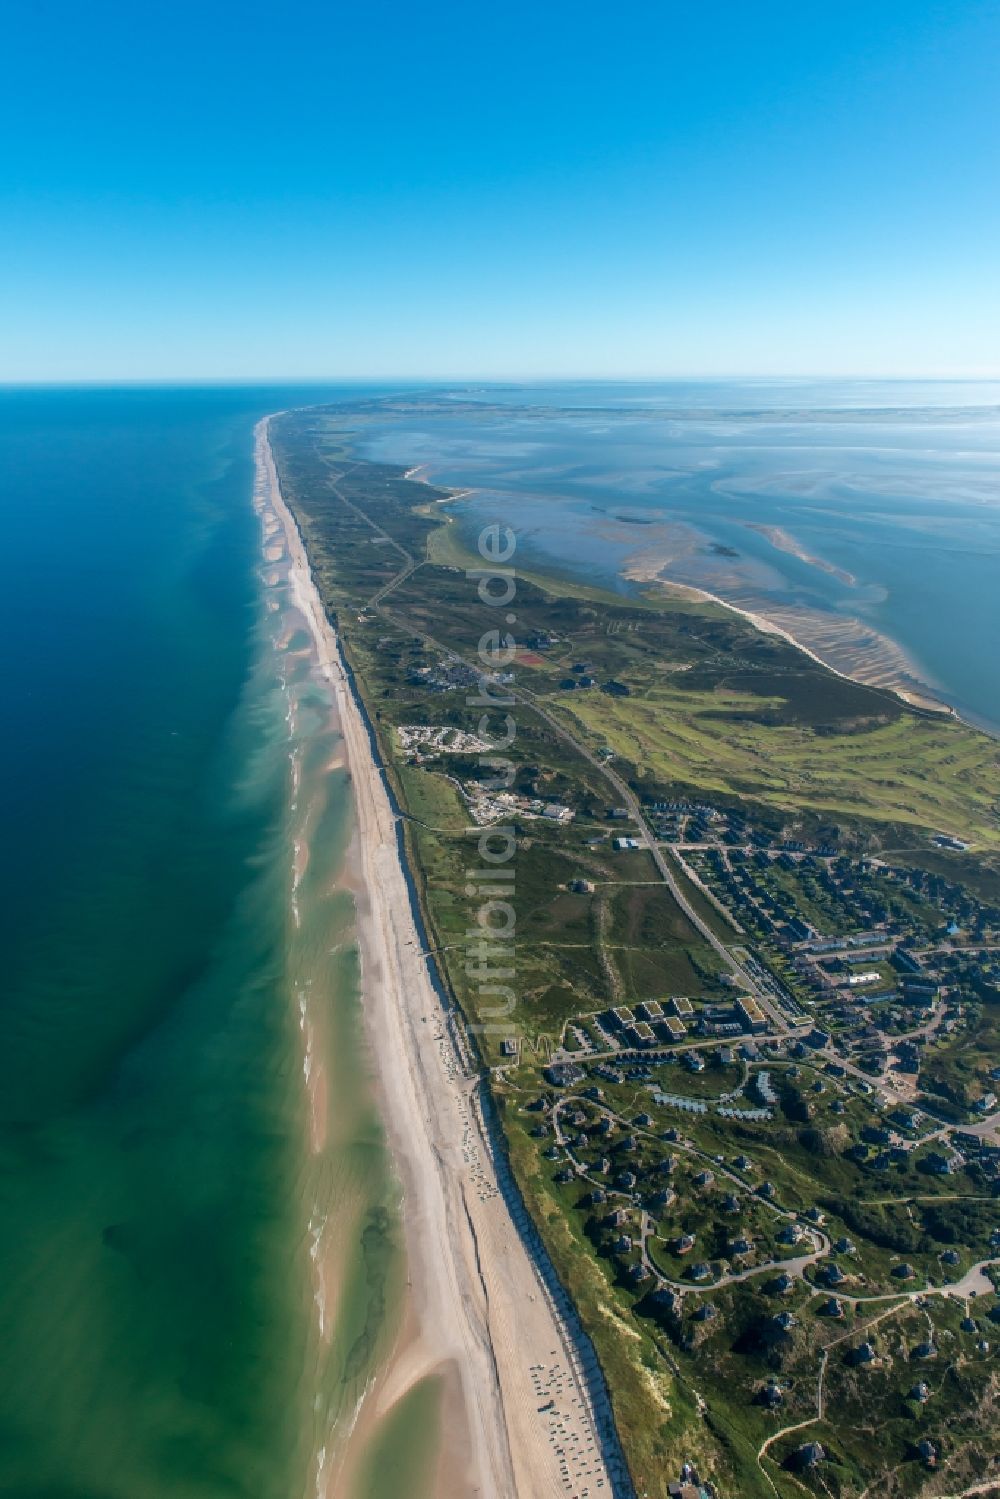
(845, 646)
(521, 1416)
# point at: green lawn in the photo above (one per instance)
(929, 773)
(717, 708)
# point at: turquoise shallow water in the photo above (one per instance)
(158, 1300)
(819, 503)
(193, 1295)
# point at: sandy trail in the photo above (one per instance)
(523, 1424)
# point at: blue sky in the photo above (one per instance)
(381, 188)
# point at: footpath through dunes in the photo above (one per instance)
(534, 1421)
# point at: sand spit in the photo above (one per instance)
(527, 1415)
(845, 645)
(784, 541)
(421, 474)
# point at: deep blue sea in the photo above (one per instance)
(176, 1210)
(176, 1223)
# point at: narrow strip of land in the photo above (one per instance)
(533, 1423)
(620, 786)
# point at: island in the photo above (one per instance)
(706, 938)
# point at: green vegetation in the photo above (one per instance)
(959, 1068)
(729, 739)
(789, 806)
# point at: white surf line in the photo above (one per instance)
(480, 1301)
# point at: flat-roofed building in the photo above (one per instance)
(558, 813)
(751, 1015)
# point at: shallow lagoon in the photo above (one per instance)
(861, 517)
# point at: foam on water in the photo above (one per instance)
(348, 1182)
(165, 746)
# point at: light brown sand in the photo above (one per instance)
(480, 1312)
(846, 646)
(783, 541)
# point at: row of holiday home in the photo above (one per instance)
(648, 1023)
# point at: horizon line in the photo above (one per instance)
(115, 381)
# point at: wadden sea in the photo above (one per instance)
(201, 1266)
(860, 517)
(201, 1263)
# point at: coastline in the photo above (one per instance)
(913, 699)
(483, 1312)
(874, 660)
(887, 666)
(419, 475)
(886, 679)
